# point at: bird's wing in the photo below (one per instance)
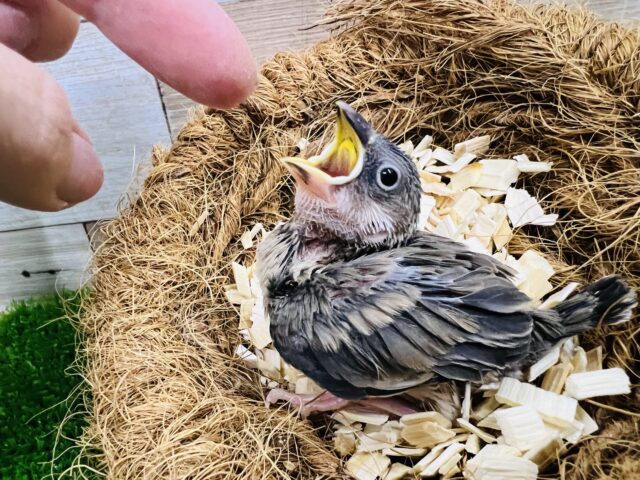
(389, 320)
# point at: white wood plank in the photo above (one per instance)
(178, 108)
(42, 260)
(119, 105)
(95, 235)
(619, 10)
(270, 26)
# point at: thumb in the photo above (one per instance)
(190, 44)
(46, 161)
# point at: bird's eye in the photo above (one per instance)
(388, 177)
(285, 288)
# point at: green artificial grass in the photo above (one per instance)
(37, 347)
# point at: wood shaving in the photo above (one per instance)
(545, 451)
(503, 467)
(476, 145)
(344, 443)
(199, 222)
(422, 146)
(472, 445)
(368, 466)
(430, 464)
(468, 426)
(363, 417)
(490, 422)
(464, 160)
(426, 434)
(302, 145)
(408, 452)
(527, 166)
(521, 426)
(423, 417)
(612, 381)
(594, 359)
(444, 156)
(497, 174)
(466, 402)
(556, 409)
(486, 407)
(523, 209)
(241, 276)
(247, 356)
(397, 471)
(579, 360)
(545, 363)
(555, 377)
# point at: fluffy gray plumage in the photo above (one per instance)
(365, 305)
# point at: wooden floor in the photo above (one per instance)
(126, 111)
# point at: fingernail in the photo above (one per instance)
(85, 175)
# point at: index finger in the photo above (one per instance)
(191, 45)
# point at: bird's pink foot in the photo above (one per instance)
(308, 403)
(327, 402)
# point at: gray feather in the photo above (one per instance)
(391, 319)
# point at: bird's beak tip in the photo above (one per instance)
(348, 115)
(310, 178)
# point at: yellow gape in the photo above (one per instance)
(339, 162)
(344, 159)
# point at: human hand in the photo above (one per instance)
(47, 161)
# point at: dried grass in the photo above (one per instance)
(169, 401)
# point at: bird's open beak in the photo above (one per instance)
(340, 162)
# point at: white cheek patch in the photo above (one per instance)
(314, 210)
(307, 201)
(346, 217)
(366, 217)
(374, 220)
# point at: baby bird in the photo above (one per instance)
(367, 306)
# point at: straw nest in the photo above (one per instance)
(168, 399)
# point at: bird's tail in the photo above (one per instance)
(609, 301)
